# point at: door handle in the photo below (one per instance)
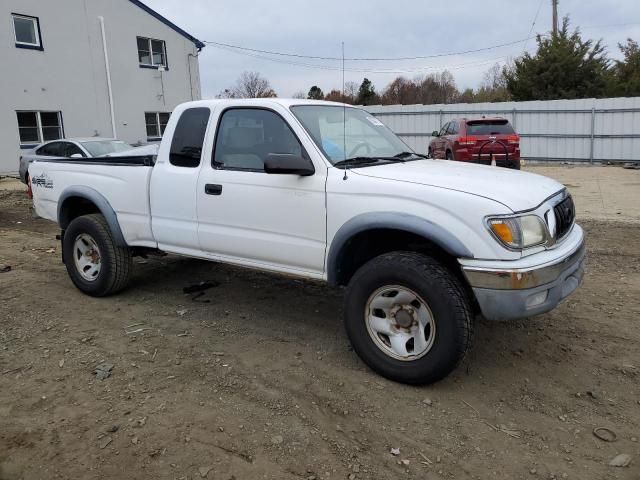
(213, 189)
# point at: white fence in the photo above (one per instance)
(589, 130)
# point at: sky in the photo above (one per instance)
(375, 29)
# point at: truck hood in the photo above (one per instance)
(515, 189)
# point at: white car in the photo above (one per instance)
(80, 148)
(325, 191)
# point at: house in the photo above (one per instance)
(82, 68)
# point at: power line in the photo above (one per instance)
(382, 59)
(360, 70)
(533, 24)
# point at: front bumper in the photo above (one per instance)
(521, 289)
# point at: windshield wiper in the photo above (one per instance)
(410, 154)
(357, 161)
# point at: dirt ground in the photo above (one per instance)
(256, 379)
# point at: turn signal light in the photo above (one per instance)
(503, 231)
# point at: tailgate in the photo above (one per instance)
(490, 135)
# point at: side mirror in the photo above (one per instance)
(76, 155)
(435, 133)
(284, 163)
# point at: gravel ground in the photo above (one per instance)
(255, 379)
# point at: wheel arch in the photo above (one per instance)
(81, 200)
(372, 234)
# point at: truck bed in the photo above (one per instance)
(122, 181)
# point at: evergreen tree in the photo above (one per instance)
(315, 93)
(564, 67)
(367, 93)
(626, 74)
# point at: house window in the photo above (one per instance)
(38, 127)
(156, 123)
(151, 53)
(26, 30)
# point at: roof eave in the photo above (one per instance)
(199, 45)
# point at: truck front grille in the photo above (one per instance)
(565, 213)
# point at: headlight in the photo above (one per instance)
(519, 232)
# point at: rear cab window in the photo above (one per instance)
(188, 137)
(489, 127)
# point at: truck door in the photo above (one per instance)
(174, 180)
(247, 216)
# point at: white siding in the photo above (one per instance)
(70, 75)
(551, 130)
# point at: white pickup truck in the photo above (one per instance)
(326, 192)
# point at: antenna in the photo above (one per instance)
(344, 118)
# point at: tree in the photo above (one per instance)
(367, 93)
(564, 67)
(467, 96)
(625, 79)
(351, 92)
(427, 90)
(335, 96)
(494, 86)
(299, 95)
(249, 85)
(401, 91)
(315, 93)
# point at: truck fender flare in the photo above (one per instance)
(393, 221)
(99, 201)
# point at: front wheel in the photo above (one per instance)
(408, 317)
(96, 265)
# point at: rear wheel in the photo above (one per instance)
(408, 317)
(449, 155)
(96, 265)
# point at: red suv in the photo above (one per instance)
(489, 141)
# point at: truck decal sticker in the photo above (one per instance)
(42, 180)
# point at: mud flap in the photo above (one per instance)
(61, 238)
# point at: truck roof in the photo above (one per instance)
(285, 102)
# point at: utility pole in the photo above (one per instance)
(555, 17)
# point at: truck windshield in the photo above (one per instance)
(346, 133)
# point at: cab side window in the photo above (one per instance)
(453, 128)
(443, 130)
(247, 136)
(188, 138)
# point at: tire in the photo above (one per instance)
(450, 328)
(449, 155)
(107, 267)
(430, 153)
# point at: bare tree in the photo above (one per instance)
(351, 91)
(299, 95)
(494, 78)
(425, 90)
(494, 85)
(249, 85)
